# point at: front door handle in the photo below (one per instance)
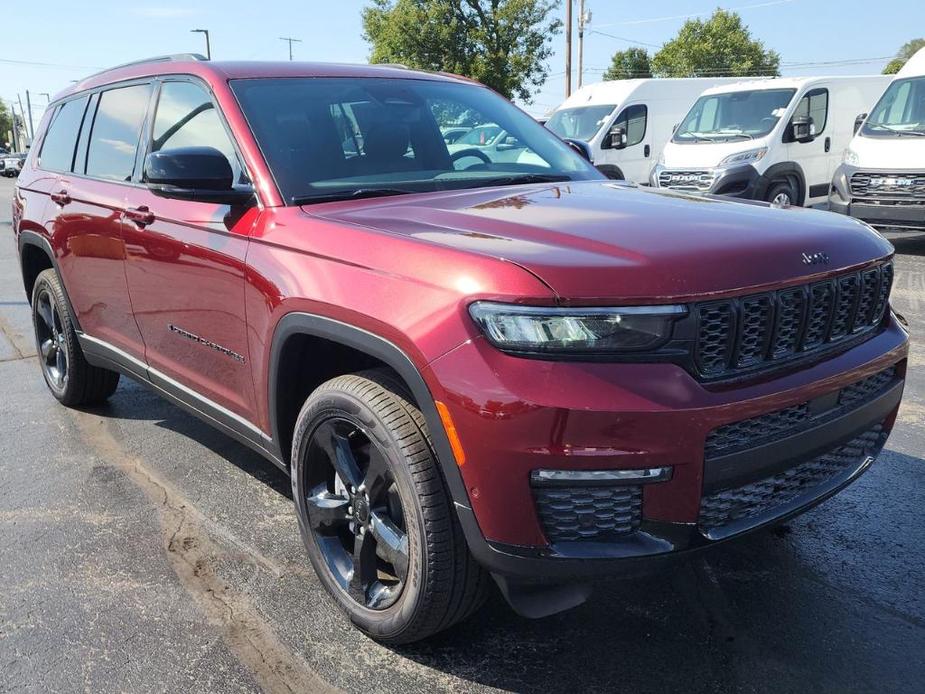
(646, 150)
(141, 215)
(61, 198)
(828, 144)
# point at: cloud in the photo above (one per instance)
(163, 12)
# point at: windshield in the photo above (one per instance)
(581, 123)
(734, 116)
(900, 111)
(338, 138)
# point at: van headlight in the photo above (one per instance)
(749, 157)
(556, 330)
(851, 158)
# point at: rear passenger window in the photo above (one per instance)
(116, 131)
(186, 117)
(58, 147)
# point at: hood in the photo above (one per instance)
(593, 240)
(889, 153)
(703, 155)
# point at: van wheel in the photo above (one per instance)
(374, 514)
(782, 193)
(70, 378)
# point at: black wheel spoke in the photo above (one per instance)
(326, 510)
(364, 567)
(337, 447)
(391, 543)
(376, 478)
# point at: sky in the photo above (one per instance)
(50, 43)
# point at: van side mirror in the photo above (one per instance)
(201, 174)
(615, 139)
(580, 146)
(859, 121)
(802, 129)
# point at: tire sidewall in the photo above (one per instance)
(779, 187)
(392, 621)
(48, 281)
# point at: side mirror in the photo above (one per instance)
(201, 174)
(615, 139)
(802, 129)
(584, 151)
(859, 121)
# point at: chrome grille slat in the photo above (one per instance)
(772, 327)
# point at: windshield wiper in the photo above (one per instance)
(354, 194)
(518, 180)
(899, 132)
(738, 134)
(693, 136)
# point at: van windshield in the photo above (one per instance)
(900, 111)
(733, 116)
(336, 138)
(581, 123)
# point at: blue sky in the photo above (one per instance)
(75, 38)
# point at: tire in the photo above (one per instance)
(70, 378)
(442, 584)
(783, 192)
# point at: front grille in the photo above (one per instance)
(700, 181)
(763, 330)
(756, 499)
(888, 187)
(590, 513)
(749, 433)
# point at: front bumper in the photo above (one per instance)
(904, 215)
(515, 416)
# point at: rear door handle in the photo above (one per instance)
(141, 215)
(61, 198)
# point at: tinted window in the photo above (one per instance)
(633, 121)
(327, 138)
(58, 147)
(116, 130)
(186, 117)
(815, 105)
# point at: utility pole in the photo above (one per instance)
(291, 41)
(583, 18)
(47, 97)
(23, 112)
(29, 105)
(208, 45)
(568, 48)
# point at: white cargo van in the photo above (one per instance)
(777, 140)
(627, 122)
(882, 177)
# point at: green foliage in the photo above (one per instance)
(909, 49)
(629, 64)
(718, 46)
(6, 123)
(501, 43)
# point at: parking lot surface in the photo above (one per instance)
(142, 551)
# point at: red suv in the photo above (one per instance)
(472, 361)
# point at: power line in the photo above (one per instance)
(10, 61)
(623, 38)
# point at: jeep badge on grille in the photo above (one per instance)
(818, 258)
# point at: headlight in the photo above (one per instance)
(555, 330)
(661, 157)
(749, 157)
(851, 157)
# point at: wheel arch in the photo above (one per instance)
(783, 171)
(36, 255)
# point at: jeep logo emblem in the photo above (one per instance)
(818, 258)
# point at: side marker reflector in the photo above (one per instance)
(451, 434)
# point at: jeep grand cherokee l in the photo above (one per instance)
(470, 368)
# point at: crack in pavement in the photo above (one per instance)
(192, 555)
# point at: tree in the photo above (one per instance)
(629, 64)
(908, 50)
(720, 46)
(6, 123)
(501, 43)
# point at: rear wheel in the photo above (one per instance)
(374, 513)
(70, 378)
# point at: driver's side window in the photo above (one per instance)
(186, 117)
(633, 121)
(814, 104)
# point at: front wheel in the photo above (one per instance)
(374, 514)
(782, 194)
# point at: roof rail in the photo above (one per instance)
(155, 59)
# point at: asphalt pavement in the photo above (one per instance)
(142, 551)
